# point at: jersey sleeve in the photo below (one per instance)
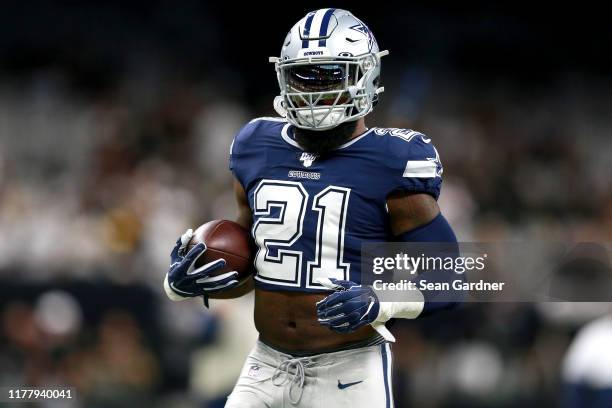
(241, 152)
(414, 164)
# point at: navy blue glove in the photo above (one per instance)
(184, 281)
(349, 308)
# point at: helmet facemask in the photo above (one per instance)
(321, 93)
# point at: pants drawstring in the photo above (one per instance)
(292, 371)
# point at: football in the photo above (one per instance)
(228, 240)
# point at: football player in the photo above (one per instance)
(312, 186)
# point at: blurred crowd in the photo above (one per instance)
(95, 187)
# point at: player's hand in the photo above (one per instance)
(349, 308)
(184, 281)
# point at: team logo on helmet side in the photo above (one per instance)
(363, 29)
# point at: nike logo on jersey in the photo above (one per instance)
(343, 386)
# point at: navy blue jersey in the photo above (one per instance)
(311, 214)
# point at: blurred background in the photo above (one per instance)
(115, 125)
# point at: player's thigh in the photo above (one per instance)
(361, 379)
(253, 388)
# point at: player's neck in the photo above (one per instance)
(324, 141)
(360, 129)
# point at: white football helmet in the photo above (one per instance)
(328, 71)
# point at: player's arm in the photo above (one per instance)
(414, 173)
(245, 219)
(408, 211)
(415, 217)
(245, 216)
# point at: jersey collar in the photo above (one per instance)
(287, 138)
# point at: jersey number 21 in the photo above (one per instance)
(283, 229)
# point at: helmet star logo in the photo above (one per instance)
(363, 29)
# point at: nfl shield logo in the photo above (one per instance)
(308, 158)
(254, 370)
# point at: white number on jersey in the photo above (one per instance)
(284, 229)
